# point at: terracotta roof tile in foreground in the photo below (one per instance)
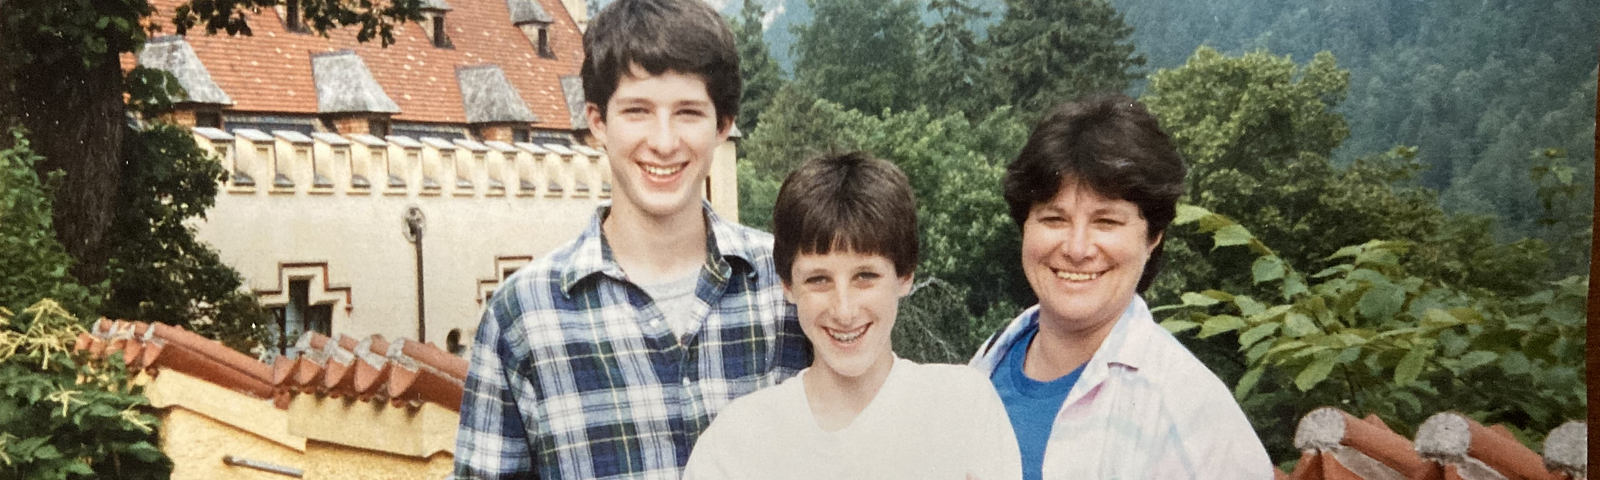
(1448, 446)
(403, 373)
(1466, 448)
(1347, 447)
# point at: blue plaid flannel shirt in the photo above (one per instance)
(576, 375)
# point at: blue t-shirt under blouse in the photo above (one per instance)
(1031, 404)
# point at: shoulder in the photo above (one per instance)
(537, 287)
(762, 404)
(957, 387)
(1174, 371)
(944, 376)
(748, 244)
(1200, 408)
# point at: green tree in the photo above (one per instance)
(60, 76)
(1258, 131)
(35, 266)
(861, 54)
(65, 419)
(1367, 336)
(1045, 52)
(762, 77)
(953, 61)
(58, 419)
(159, 271)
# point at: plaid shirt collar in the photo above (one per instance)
(592, 253)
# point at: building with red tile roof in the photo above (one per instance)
(388, 191)
(331, 408)
(285, 76)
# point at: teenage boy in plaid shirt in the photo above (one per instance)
(606, 358)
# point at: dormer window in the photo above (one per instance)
(538, 34)
(433, 23)
(441, 39)
(543, 43)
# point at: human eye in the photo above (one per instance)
(817, 280)
(1052, 220)
(1110, 222)
(693, 112)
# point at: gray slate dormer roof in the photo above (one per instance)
(572, 88)
(174, 55)
(487, 96)
(435, 5)
(524, 11)
(344, 85)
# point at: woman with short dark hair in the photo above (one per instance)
(1094, 388)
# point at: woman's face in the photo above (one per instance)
(1083, 255)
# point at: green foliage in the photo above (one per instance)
(936, 326)
(762, 77)
(954, 61)
(82, 32)
(861, 54)
(1046, 52)
(63, 419)
(1367, 335)
(34, 264)
(372, 19)
(159, 271)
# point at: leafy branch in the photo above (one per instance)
(1398, 342)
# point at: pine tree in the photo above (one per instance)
(953, 61)
(861, 54)
(1052, 51)
(762, 77)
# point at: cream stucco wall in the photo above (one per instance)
(196, 444)
(352, 240)
(201, 423)
(334, 461)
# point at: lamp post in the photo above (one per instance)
(415, 223)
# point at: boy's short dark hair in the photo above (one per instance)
(1110, 144)
(851, 202)
(684, 36)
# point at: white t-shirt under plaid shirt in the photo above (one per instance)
(576, 375)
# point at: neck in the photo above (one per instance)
(1057, 351)
(837, 400)
(656, 249)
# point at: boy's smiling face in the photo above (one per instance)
(659, 132)
(847, 303)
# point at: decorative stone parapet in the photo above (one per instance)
(291, 163)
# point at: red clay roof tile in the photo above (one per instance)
(270, 72)
(402, 373)
(1453, 439)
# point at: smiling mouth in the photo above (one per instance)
(847, 337)
(1076, 276)
(663, 171)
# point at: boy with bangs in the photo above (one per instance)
(846, 250)
(606, 358)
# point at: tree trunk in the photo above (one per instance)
(75, 117)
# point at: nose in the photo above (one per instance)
(663, 139)
(842, 301)
(1078, 246)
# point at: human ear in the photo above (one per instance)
(597, 123)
